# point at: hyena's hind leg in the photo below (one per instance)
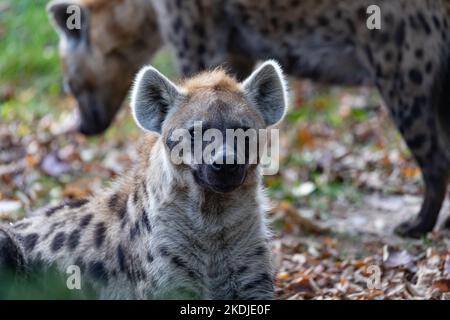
(415, 116)
(443, 112)
(12, 257)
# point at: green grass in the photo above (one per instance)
(28, 51)
(29, 63)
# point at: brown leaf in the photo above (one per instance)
(442, 285)
(305, 138)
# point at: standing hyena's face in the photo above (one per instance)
(99, 59)
(211, 120)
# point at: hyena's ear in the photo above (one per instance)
(153, 96)
(70, 19)
(267, 89)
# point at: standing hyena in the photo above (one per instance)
(328, 40)
(116, 38)
(171, 230)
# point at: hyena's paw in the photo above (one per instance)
(412, 229)
(11, 254)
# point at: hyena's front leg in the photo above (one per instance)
(417, 123)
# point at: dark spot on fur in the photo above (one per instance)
(323, 21)
(145, 221)
(388, 56)
(362, 14)
(201, 49)
(241, 270)
(436, 22)
(135, 197)
(85, 221)
(121, 258)
(350, 25)
(116, 204)
(413, 22)
(99, 236)
(274, 22)
(73, 240)
(369, 55)
(415, 76)
(429, 67)
(400, 34)
(144, 189)
(150, 257)
(177, 261)
(122, 212)
(288, 27)
(79, 262)
(260, 251)
(76, 203)
(52, 229)
(135, 231)
(97, 271)
(22, 225)
(199, 30)
(419, 53)
(177, 25)
(58, 241)
(52, 210)
(30, 241)
(424, 23)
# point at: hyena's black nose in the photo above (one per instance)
(224, 164)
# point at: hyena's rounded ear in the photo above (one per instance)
(267, 89)
(152, 97)
(71, 20)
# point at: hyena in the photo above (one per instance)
(407, 59)
(116, 38)
(166, 230)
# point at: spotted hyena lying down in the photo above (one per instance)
(170, 230)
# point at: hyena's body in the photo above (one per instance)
(407, 59)
(166, 230)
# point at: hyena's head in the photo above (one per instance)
(114, 39)
(212, 121)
